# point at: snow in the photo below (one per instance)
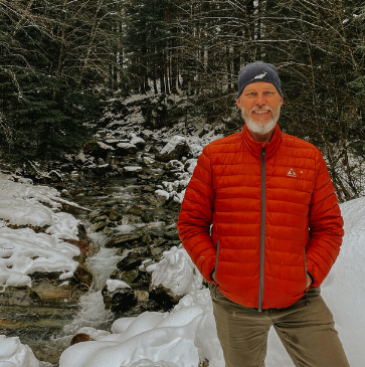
(187, 334)
(14, 354)
(177, 272)
(24, 252)
(133, 169)
(114, 284)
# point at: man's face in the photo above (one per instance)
(260, 104)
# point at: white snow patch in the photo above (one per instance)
(14, 354)
(24, 252)
(114, 284)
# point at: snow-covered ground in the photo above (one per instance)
(187, 334)
(22, 250)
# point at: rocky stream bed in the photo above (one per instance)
(129, 183)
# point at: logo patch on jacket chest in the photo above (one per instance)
(291, 173)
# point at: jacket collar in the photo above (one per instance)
(256, 147)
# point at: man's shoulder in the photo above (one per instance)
(224, 145)
(291, 141)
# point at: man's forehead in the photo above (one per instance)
(259, 86)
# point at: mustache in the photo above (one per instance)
(263, 108)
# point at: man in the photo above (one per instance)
(277, 231)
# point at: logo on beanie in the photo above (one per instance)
(260, 76)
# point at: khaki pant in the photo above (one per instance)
(307, 332)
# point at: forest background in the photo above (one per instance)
(63, 62)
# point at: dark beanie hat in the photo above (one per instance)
(258, 71)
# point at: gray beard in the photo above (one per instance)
(260, 128)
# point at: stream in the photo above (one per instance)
(49, 330)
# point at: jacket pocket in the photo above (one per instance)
(216, 264)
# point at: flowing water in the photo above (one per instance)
(49, 330)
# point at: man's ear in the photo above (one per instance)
(281, 101)
(239, 104)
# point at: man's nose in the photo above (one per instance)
(260, 101)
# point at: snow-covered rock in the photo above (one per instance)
(24, 252)
(162, 195)
(137, 141)
(176, 148)
(133, 169)
(114, 284)
(127, 147)
(15, 354)
(177, 272)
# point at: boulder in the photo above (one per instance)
(164, 297)
(162, 196)
(176, 148)
(137, 141)
(119, 301)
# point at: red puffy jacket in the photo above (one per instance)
(275, 216)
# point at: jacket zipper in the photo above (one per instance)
(216, 263)
(262, 239)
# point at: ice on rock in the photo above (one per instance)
(14, 354)
(177, 272)
(136, 140)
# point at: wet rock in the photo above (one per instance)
(100, 218)
(97, 227)
(147, 218)
(50, 292)
(135, 210)
(122, 240)
(94, 214)
(164, 298)
(157, 253)
(130, 276)
(114, 216)
(116, 274)
(146, 239)
(130, 262)
(19, 296)
(127, 148)
(83, 275)
(119, 301)
(107, 231)
(172, 235)
(176, 148)
(142, 296)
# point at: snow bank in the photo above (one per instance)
(22, 251)
(177, 272)
(14, 354)
(22, 204)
